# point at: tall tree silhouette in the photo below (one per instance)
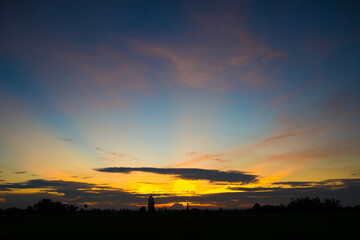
(151, 204)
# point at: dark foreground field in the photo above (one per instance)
(338, 225)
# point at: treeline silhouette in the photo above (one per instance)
(304, 204)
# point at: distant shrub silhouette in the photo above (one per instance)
(256, 207)
(142, 210)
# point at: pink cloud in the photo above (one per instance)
(189, 69)
(223, 54)
(291, 134)
(198, 158)
(246, 51)
(98, 77)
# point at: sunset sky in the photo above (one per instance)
(211, 103)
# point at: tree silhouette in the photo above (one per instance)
(48, 206)
(305, 203)
(330, 204)
(151, 204)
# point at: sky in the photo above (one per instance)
(211, 103)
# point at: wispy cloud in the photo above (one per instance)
(250, 55)
(100, 78)
(198, 158)
(221, 160)
(188, 69)
(68, 140)
(291, 134)
(356, 173)
(109, 152)
(245, 59)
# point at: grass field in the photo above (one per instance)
(211, 226)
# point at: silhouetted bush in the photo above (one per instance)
(314, 204)
(142, 210)
(256, 207)
(48, 206)
(305, 204)
(331, 204)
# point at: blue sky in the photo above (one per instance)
(264, 87)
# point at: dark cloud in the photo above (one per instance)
(296, 184)
(347, 193)
(190, 173)
(69, 140)
(68, 191)
(330, 183)
(41, 183)
(81, 177)
(326, 185)
(257, 189)
(22, 172)
(356, 173)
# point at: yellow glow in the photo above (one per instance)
(186, 187)
(56, 193)
(148, 188)
(91, 203)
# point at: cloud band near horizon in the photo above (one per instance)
(346, 190)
